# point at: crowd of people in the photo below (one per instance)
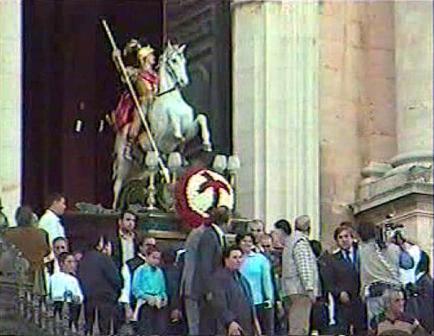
(276, 283)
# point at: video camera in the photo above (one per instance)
(388, 230)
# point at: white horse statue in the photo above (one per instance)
(170, 118)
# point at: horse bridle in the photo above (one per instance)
(172, 74)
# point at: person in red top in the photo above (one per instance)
(140, 61)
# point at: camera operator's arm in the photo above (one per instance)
(400, 256)
(406, 261)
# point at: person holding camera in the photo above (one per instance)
(380, 263)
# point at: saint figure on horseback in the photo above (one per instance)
(168, 120)
(140, 62)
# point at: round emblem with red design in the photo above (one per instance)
(200, 190)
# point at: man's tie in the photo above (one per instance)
(348, 257)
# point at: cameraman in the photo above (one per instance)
(380, 262)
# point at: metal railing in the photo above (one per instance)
(19, 302)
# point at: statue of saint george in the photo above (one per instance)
(140, 62)
(168, 120)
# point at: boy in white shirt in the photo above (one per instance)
(64, 287)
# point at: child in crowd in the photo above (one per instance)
(149, 288)
(63, 287)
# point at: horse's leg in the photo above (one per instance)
(202, 121)
(175, 123)
(200, 124)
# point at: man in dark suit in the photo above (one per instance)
(101, 284)
(172, 275)
(209, 242)
(124, 246)
(232, 297)
(343, 282)
(143, 242)
(189, 286)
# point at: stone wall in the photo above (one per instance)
(10, 105)
(356, 100)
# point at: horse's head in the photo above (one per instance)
(174, 60)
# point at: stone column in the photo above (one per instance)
(10, 105)
(414, 82)
(275, 111)
(406, 188)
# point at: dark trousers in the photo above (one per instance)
(152, 321)
(118, 317)
(207, 319)
(175, 328)
(319, 316)
(266, 319)
(73, 312)
(352, 314)
(106, 310)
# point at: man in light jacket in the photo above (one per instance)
(300, 278)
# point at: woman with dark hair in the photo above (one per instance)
(256, 268)
(280, 234)
(284, 226)
(25, 217)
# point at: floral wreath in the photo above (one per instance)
(198, 191)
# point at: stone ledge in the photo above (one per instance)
(374, 187)
(399, 191)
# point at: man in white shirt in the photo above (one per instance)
(50, 221)
(63, 287)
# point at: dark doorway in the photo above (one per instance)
(69, 79)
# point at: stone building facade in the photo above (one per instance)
(332, 111)
(358, 130)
